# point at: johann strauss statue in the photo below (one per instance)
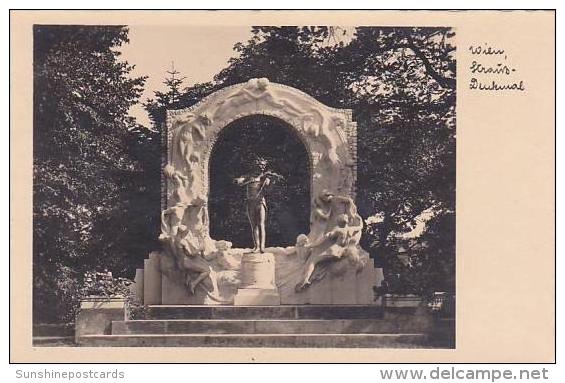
(256, 184)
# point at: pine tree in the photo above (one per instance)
(174, 83)
(169, 99)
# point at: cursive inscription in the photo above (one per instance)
(492, 70)
(486, 50)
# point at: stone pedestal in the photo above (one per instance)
(152, 280)
(257, 286)
(97, 314)
(139, 281)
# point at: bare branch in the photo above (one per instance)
(444, 82)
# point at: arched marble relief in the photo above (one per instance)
(328, 134)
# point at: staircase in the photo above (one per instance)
(266, 326)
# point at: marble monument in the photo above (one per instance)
(325, 266)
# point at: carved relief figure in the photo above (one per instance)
(192, 131)
(323, 209)
(256, 90)
(310, 125)
(186, 144)
(300, 249)
(329, 247)
(315, 124)
(190, 259)
(180, 244)
(172, 217)
(193, 214)
(341, 235)
(355, 222)
(185, 256)
(301, 245)
(223, 258)
(351, 252)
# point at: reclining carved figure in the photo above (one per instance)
(256, 90)
(339, 241)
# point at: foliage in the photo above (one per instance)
(173, 84)
(87, 172)
(429, 265)
(104, 284)
(56, 293)
(166, 100)
(60, 300)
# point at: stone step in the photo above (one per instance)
(263, 326)
(53, 329)
(257, 340)
(53, 341)
(266, 312)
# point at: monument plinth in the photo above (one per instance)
(257, 286)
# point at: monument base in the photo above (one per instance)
(257, 297)
(239, 269)
(258, 271)
(296, 326)
(258, 286)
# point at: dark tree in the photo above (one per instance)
(170, 99)
(174, 83)
(86, 191)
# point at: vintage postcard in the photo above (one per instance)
(377, 186)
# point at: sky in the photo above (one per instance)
(198, 53)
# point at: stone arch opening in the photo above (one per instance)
(328, 134)
(288, 199)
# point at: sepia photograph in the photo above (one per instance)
(265, 186)
(283, 186)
